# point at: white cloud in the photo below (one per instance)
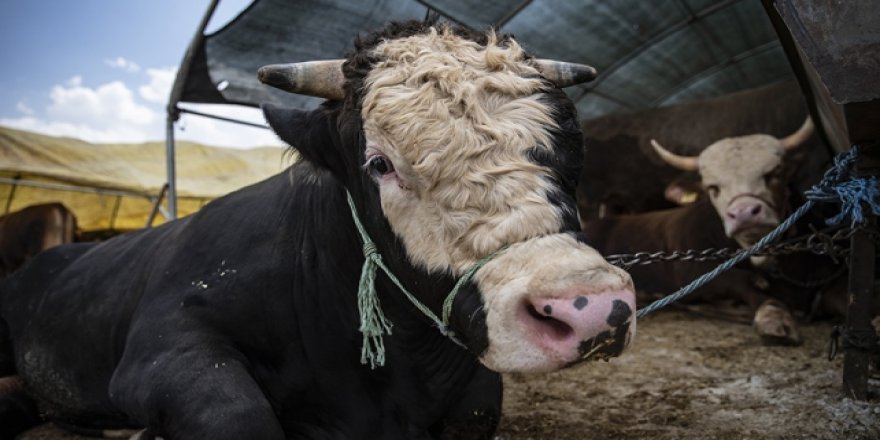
(122, 63)
(159, 86)
(222, 133)
(23, 108)
(112, 102)
(113, 113)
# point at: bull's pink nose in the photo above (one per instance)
(744, 211)
(582, 325)
(746, 214)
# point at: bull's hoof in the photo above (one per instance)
(775, 325)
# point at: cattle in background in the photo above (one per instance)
(623, 174)
(241, 321)
(748, 184)
(24, 233)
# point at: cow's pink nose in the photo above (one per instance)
(745, 211)
(581, 326)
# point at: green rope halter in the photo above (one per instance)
(373, 322)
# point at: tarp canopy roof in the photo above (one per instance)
(648, 53)
(113, 186)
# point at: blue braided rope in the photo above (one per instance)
(711, 275)
(831, 188)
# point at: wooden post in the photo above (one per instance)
(860, 293)
(832, 47)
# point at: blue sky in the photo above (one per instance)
(101, 70)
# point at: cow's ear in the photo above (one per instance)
(309, 132)
(683, 192)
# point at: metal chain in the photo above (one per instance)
(818, 242)
(775, 272)
(849, 337)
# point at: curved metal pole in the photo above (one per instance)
(174, 112)
(170, 166)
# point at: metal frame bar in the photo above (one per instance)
(174, 111)
(72, 188)
(222, 118)
(157, 205)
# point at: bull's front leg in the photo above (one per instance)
(773, 320)
(198, 391)
(775, 324)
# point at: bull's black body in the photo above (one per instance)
(241, 321)
(244, 308)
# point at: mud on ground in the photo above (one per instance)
(686, 377)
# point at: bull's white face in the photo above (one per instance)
(456, 122)
(448, 126)
(744, 179)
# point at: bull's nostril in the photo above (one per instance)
(620, 313)
(756, 210)
(580, 302)
(551, 326)
(604, 345)
(548, 309)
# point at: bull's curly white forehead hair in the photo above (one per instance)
(462, 117)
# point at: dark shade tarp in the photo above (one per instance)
(648, 53)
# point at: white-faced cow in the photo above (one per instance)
(618, 146)
(745, 179)
(242, 321)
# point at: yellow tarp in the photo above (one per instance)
(126, 176)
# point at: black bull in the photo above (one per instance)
(233, 333)
(241, 321)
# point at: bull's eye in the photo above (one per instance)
(773, 177)
(712, 190)
(378, 166)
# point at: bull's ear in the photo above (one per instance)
(309, 132)
(683, 192)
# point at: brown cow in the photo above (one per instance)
(746, 181)
(618, 146)
(25, 233)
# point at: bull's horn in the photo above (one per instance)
(565, 74)
(314, 78)
(797, 138)
(684, 163)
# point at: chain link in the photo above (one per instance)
(818, 242)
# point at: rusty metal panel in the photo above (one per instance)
(840, 39)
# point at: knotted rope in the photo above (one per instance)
(839, 184)
(374, 324)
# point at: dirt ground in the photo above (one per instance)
(686, 377)
(690, 377)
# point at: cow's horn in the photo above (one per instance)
(565, 74)
(685, 163)
(314, 78)
(797, 138)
